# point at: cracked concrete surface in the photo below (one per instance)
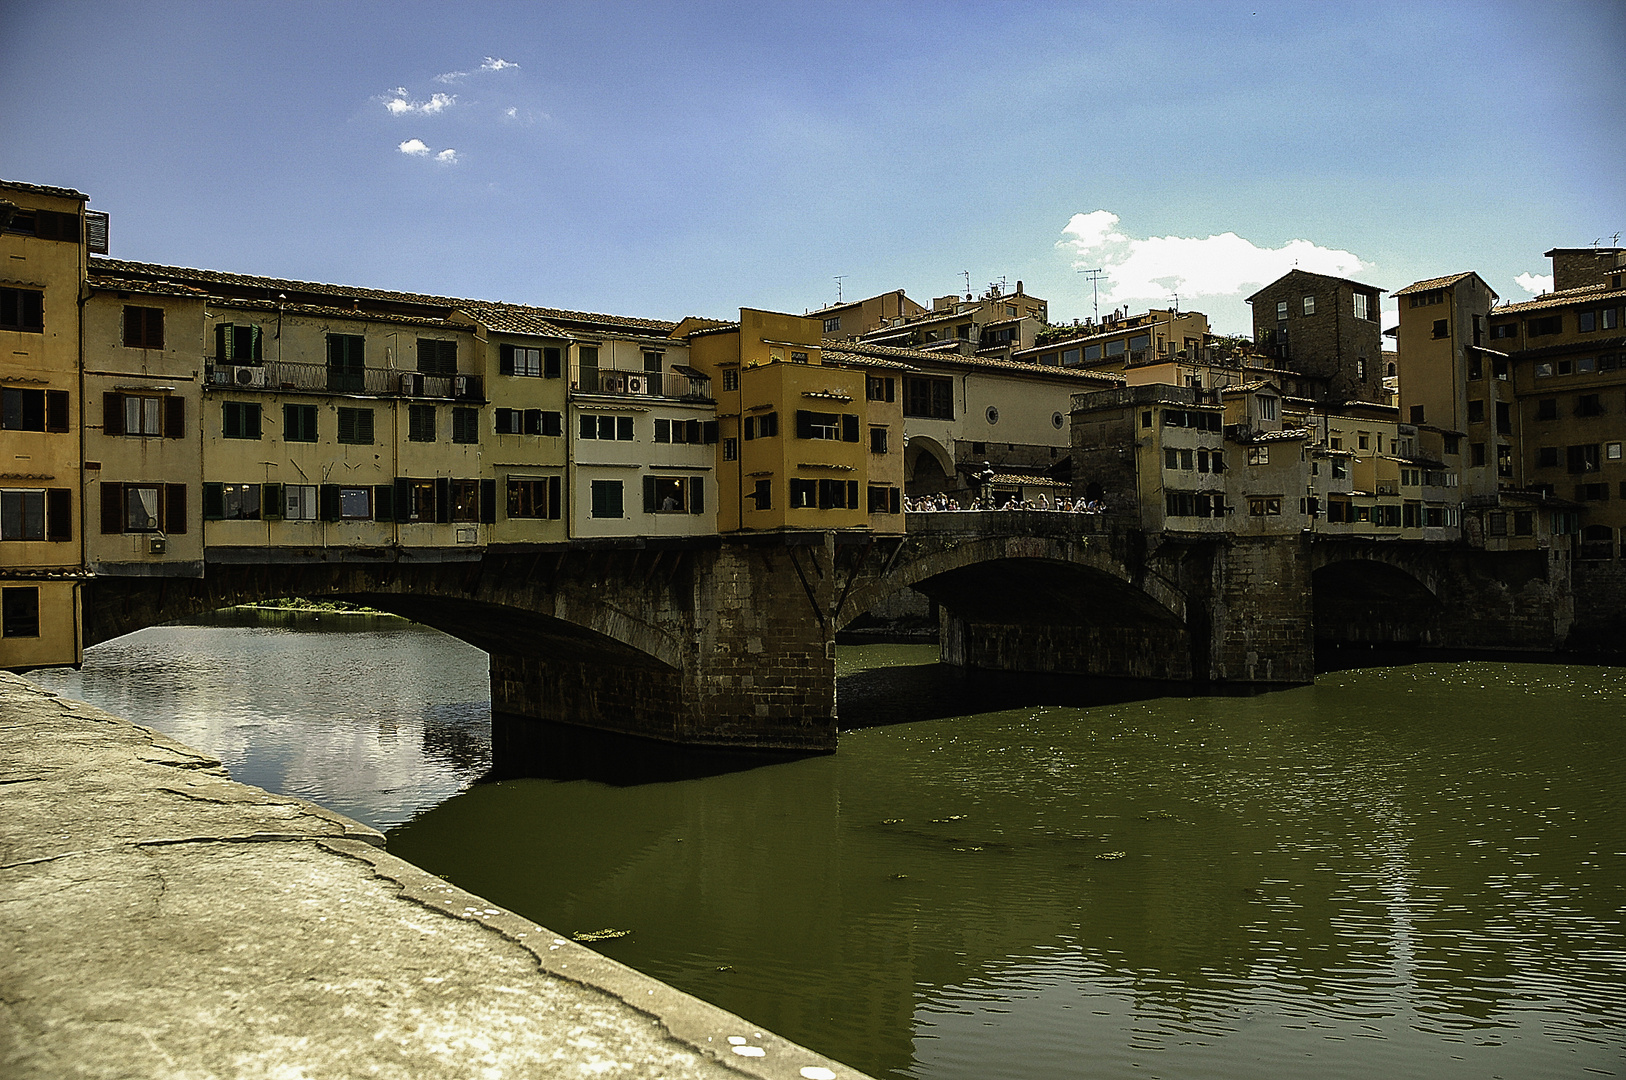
(158, 919)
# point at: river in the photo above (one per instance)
(1412, 870)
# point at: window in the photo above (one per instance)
(356, 503)
(1611, 452)
(1281, 311)
(144, 327)
(1263, 505)
(298, 502)
(877, 440)
(1586, 321)
(528, 422)
(1115, 348)
(1069, 357)
(832, 325)
(1360, 368)
(1267, 407)
(299, 423)
(877, 388)
(819, 425)
(1340, 469)
(1611, 318)
(764, 426)
(674, 494)
(1259, 455)
(1552, 324)
(804, 494)
(356, 426)
(242, 419)
(33, 410)
(1582, 459)
(606, 499)
(20, 611)
(1476, 412)
(1417, 414)
(144, 508)
(22, 309)
(22, 514)
(237, 343)
(415, 501)
(465, 496)
(143, 415)
(731, 379)
(231, 502)
(731, 449)
(928, 398)
(838, 494)
(1453, 444)
(1547, 457)
(421, 423)
(436, 357)
(762, 494)
(608, 428)
(519, 360)
(1365, 308)
(465, 425)
(1591, 492)
(1499, 331)
(1309, 305)
(1589, 405)
(884, 500)
(1524, 523)
(534, 498)
(1442, 328)
(346, 363)
(1547, 409)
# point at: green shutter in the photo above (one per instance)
(649, 494)
(271, 507)
(804, 424)
(329, 503)
(384, 502)
(697, 494)
(852, 493)
(488, 502)
(112, 508)
(443, 499)
(849, 427)
(59, 514)
(403, 499)
(223, 341)
(214, 502)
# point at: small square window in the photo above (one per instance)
(1309, 305)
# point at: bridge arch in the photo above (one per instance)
(1082, 566)
(1372, 594)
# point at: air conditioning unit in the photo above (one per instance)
(249, 376)
(460, 386)
(635, 384)
(411, 386)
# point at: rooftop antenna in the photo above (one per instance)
(967, 275)
(838, 286)
(1095, 283)
(1177, 303)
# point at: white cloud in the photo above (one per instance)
(415, 147)
(1156, 267)
(493, 63)
(400, 103)
(512, 113)
(447, 157)
(1535, 284)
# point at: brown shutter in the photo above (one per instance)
(155, 328)
(133, 319)
(112, 508)
(175, 509)
(59, 514)
(56, 410)
(113, 414)
(175, 417)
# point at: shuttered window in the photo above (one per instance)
(465, 425)
(241, 419)
(299, 423)
(346, 363)
(144, 327)
(437, 357)
(356, 426)
(237, 343)
(22, 309)
(421, 423)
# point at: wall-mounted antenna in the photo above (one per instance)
(838, 286)
(1095, 283)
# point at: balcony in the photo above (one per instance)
(320, 378)
(683, 383)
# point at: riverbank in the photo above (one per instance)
(158, 919)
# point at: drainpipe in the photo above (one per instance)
(84, 501)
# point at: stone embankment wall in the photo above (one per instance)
(159, 920)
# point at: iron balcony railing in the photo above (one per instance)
(319, 378)
(671, 384)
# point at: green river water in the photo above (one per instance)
(1413, 870)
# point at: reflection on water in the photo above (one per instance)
(1417, 870)
(372, 716)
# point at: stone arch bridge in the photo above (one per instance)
(731, 642)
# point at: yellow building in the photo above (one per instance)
(794, 441)
(1123, 341)
(44, 240)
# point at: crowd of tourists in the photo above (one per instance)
(1062, 504)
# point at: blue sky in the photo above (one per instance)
(672, 159)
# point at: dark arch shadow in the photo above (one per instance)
(1369, 613)
(1044, 591)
